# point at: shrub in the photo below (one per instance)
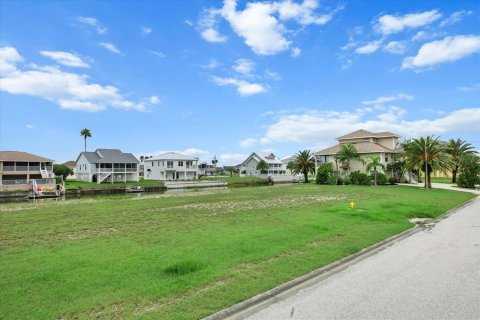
(392, 180)
(332, 180)
(346, 181)
(360, 178)
(381, 178)
(469, 171)
(324, 172)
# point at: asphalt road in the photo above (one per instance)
(434, 274)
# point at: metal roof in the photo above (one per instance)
(171, 156)
(109, 156)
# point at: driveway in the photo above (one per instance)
(433, 274)
(446, 186)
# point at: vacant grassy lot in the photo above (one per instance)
(188, 255)
(442, 180)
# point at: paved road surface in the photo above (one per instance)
(434, 274)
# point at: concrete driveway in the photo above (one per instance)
(434, 274)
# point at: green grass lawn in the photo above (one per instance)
(188, 255)
(236, 180)
(72, 184)
(442, 180)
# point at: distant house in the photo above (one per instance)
(21, 168)
(249, 167)
(286, 161)
(206, 169)
(368, 144)
(71, 165)
(171, 166)
(107, 165)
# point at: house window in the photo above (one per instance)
(180, 163)
(153, 164)
(188, 164)
(386, 158)
(158, 163)
(169, 164)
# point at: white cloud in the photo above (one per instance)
(146, 30)
(449, 49)
(188, 22)
(261, 24)
(244, 88)
(246, 143)
(110, 47)
(319, 125)
(272, 75)
(424, 35)
(389, 24)
(68, 90)
(474, 87)
(208, 24)
(158, 54)
(370, 47)
(9, 57)
(395, 47)
(212, 64)
(65, 58)
(154, 100)
(192, 152)
(295, 52)
(232, 158)
(92, 22)
(29, 126)
(455, 17)
(244, 66)
(385, 99)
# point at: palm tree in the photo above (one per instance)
(346, 153)
(262, 166)
(374, 164)
(457, 148)
(426, 154)
(86, 134)
(304, 163)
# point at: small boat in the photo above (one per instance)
(135, 189)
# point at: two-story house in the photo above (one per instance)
(107, 165)
(19, 169)
(249, 167)
(368, 144)
(171, 166)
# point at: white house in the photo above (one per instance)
(107, 165)
(275, 166)
(368, 144)
(171, 166)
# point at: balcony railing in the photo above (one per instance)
(102, 170)
(24, 168)
(13, 182)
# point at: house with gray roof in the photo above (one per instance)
(107, 165)
(368, 144)
(171, 166)
(275, 166)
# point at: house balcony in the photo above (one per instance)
(25, 168)
(117, 170)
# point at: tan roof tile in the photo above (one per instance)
(21, 156)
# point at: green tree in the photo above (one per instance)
(396, 170)
(85, 133)
(304, 163)
(426, 154)
(347, 153)
(457, 148)
(262, 166)
(373, 165)
(469, 171)
(61, 170)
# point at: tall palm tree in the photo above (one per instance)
(262, 166)
(304, 163)
(347, 153)
(86, 134)
(457, 148)
(374, 164)
(426, 154)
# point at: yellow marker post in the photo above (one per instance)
(352, 204)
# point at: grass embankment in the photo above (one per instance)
(72, 184)
(442, 180)
(237, 181)
(188, 255)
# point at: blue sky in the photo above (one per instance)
(228, 78)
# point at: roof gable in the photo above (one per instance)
(367, 134)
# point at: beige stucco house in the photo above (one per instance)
(18, 170)
(368, 144)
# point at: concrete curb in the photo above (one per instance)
(250, 306)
